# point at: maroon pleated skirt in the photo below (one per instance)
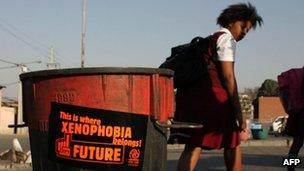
(209, 106)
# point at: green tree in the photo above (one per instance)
(268, 88)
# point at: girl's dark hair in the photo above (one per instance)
(239, 12)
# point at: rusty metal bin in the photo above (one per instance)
(133, 92)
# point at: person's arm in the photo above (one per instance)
(227, 73)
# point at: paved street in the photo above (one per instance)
(6, 142)
(257, 155)
(254, 159)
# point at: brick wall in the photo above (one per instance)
(269, 108)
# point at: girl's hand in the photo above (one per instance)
(244, 134)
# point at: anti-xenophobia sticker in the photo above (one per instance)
(96, 139)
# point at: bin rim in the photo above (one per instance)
(96, 70)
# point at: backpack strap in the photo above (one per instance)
(212, 47)
(214, 38)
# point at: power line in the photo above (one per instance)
(46, 48)
(8, 67)
(21, 65)
(17, 64)
(37, 49)
(24, 34)
(42, 50)
(8, 62)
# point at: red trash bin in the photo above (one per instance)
(137, 91)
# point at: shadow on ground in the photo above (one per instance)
(251, 162)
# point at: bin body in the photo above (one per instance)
(143, 91)
(259, 133)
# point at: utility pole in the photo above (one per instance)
(52, 64)
(23, 69)
(83, 35)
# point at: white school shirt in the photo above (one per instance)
(226, 46)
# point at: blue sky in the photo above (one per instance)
(138, 33)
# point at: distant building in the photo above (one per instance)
(268, 109)
(1, 87)
(7, 116)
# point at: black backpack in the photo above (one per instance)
(187, 62)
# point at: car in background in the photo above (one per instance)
(278, 125)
